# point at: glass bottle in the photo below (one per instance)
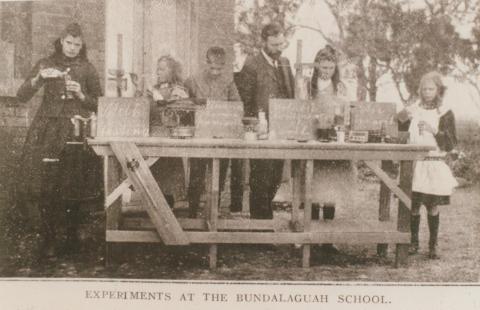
(93, 125)
(68, 95)
(262, 126)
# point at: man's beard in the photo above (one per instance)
(273, 55)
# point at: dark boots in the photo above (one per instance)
(49, 208)
(414, 228)
(329, 211)
(48, 231)
(433, 223)
(329, 214)
(72, 217)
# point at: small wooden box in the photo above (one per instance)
(357, 136)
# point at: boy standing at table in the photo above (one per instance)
(214, 84)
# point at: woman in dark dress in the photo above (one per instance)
(57, 176)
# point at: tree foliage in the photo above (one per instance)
(391, 37)
(469, 68)
(251, 20)
(421, 44)
(382, 37)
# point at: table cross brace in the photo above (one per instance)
(125, 185)
(390, 183)
(162, 217)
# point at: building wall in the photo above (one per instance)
(30, 28)
(215, 28)
(183, 29)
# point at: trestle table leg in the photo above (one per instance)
(384, 205)
(403, 223)
(307, 210)
(246, 187)
(213, 193)
(296, 171)
(111, 177)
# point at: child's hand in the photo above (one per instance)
(156, 95)
(178, 93)
(149, 93)
(426, 127)
(76, 89)
(453, 154)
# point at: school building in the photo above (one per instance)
(122, 36)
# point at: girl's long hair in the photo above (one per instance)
(329, 54)
(175, 66)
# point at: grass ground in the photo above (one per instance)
(458, 243)
(458, 248)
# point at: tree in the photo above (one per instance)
(363, 29)
(382, 37)
(251, 20)
(419, 44)
(367, 38)
(469, 59)
(391, 37)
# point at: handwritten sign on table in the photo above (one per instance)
(298, 119)
(372, 116)
(331, 110)
(123, 117)
(291, 118)
(219, 119)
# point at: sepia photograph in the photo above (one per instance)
(240, 153)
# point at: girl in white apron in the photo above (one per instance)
(432, 124)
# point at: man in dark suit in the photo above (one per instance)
(264, 76)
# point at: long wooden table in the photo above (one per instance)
(135, 155)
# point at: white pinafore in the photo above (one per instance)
(432, 175)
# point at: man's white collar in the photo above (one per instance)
(269, 59)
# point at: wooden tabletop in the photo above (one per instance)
(268, 149)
